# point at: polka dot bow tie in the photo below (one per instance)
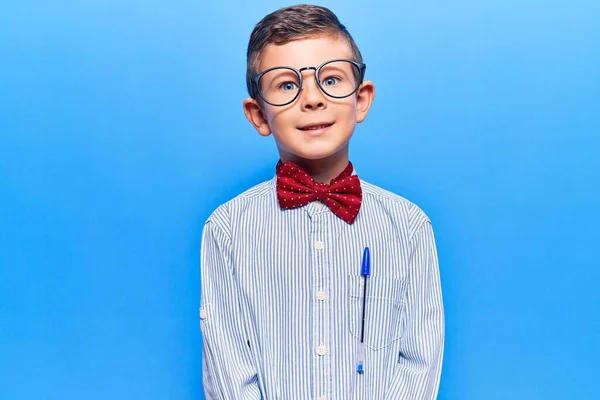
(295, 188)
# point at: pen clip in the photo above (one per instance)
(366, 263)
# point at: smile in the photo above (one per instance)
(315, 127)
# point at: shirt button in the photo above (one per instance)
(203, 313)
(321, 350)
(323, 398)
(320, 295)
(318, 205)
(319, 245)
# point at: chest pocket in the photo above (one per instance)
(384, 307)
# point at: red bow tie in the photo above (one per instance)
(295, 188)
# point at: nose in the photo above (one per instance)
(311, 98)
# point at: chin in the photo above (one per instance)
(318, 155)
(314, 151)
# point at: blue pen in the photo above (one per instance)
(365, 271)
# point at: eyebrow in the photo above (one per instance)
(308, 64)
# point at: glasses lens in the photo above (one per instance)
(279, 86)
(339, 78)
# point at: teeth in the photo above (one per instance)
(313, 128)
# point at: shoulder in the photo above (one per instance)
(395, 207)
(254, 198)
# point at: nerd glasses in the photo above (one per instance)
(280, 86)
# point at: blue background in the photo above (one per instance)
(121, 129)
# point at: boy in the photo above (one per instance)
(282, 295)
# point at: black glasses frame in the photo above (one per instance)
(255, 81)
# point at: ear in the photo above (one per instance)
(364, 98)
(255, 114)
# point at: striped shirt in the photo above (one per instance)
(282, 295)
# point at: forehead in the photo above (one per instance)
(300, 53)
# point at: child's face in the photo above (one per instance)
(312, 107)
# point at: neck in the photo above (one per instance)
(323, 170)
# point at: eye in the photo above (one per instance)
(330, 81)
(288, 86)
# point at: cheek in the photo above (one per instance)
(281, 121)
(346, 107)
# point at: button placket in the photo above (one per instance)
(320, 273)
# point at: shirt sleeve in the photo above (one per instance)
(418, 371)
(227, 367)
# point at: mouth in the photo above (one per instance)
(315, 127)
